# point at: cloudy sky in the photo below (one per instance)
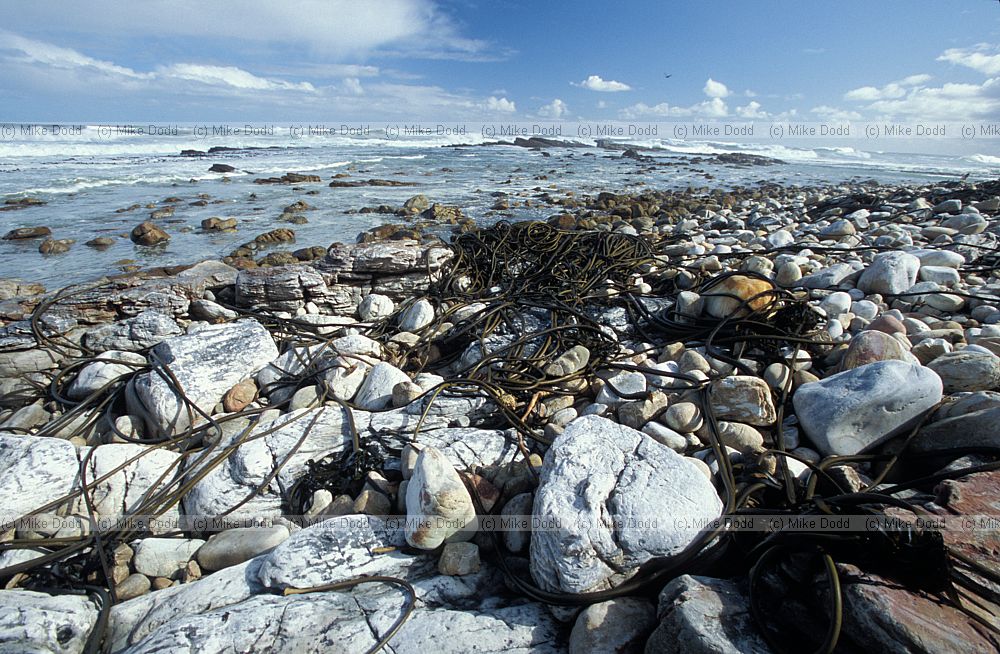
(330, 60)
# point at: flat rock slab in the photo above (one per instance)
(34, 471)
(598, 471)
(860, 408)
(206, 364)
(37, 622)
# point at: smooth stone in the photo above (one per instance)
(375, 306)
(234, 546)
(405, 392)
(683, 417)
(967, 371)
(740, 437)
(975, 429)
(210, 311)
(788, 274)
(777, 376)
(665, 436)
(625, 382)
(945, 258)
(343, 379)
(516, 540)
(135, 585)
(689, 304)
(939, 275)
(375, 393)
(164, 557)
(569, 362)
(836, 303)
(618, 625)
(438, 505)
(857, 409)
(595, 469)
(459, 559)
(732, 297)
(417, 316)
(741, 398)
(870, 346)
(828, 277)
(638, 413)
(890, 273)
(888, 324)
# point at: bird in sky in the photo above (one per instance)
(667, 76)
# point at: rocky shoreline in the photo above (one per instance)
(316, 452)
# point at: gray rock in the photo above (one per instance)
(702, 615)
(19, 362)
(571, 361)
(135, 585)
(945, 258)
(281, 288)
(375, 392)
(240, 478)
(279, 378)
(517, 540)
(202, 309)
(741, 398)
(344, 378)
(967, 371)
(375, 307)
(596, 469)
(860, 408)
(132, 334)
(890, 272)
(740, 437)
(37, 622)
(438, 505)
(26, 418)
(620, 625)
(416, 316)
(828, 277)
(95, 376)
(234, 546)
(122, 477)
(459, 559)
(164, 557)
(205, 365)
(405, 392)
(35, 471)
(620, 384)
(975, 429)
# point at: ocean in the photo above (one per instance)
(87, 175)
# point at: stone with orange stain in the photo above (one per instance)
(731, 297)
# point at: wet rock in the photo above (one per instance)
(618, 625)
(857, 409)
(967, 371)
(205, 365)
(416, 204)
(890, 272)
(22, 233)
(216, 224)
(55, 246)
(148, 233)
(234, 546)
(164, 557)
(703, 615)
(598, 468)
(438, 506)
(100, 243)
(741, 398)
(736, 295)
(221, 168)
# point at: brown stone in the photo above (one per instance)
(27, 232)
(55, 246)
(239, 396)
(887, 324)
(148, 234)
(725, 299)
(280, 235)
(870, 346)
(216, 224)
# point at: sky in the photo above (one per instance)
(434, 60)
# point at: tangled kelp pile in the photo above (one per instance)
(524, 335)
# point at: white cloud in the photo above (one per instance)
(29, 51)
(232, 76)
(601, 104)
(555, 109)
(595, 83)
(892, 90)
(353, 86)
(338, 27)
(714, 108)
(834, 114)
(501, 105)
(983, 58)
(751, 110)
(715, 89)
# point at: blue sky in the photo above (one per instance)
(329, 60)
